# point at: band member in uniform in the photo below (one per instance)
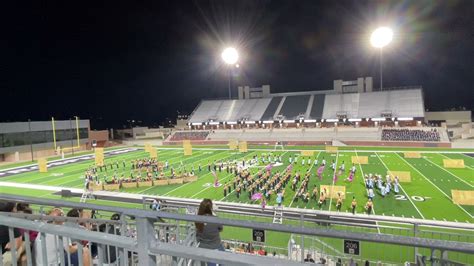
(353, 205)
(369, 206)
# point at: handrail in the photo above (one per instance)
(71, 232)
(322, 232)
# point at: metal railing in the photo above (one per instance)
(145, 248)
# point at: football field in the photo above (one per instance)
(426, 194)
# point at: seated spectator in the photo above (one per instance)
(410, 135)
(207, 234)
(189, 135)
(308, 258)
(5, 242)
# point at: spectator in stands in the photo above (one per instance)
(309, 258)
(4, 235)
(189, 135)
(207, 234)
(72, 244)
(410, 135)
(25, 208)
(110, 255)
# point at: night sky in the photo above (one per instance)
(113, 61)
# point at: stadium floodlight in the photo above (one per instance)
(231, 122)
(288, 121)
(268, 121)
(378, 119)
(332, 120)
(380, 38)
(355, 119)
(405, 119)
(249, 122)
(310, 120)
(230, 57)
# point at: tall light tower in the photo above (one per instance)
(230, 57)
(380, 38)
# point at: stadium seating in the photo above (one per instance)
(189, 135)
(410, 135)
(313, 105)
(296, 134)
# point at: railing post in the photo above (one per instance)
(415, 234)
(145, 238)
(302, 238)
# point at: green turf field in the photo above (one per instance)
(427, 196)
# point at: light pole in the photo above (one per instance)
(230, 57)
(380, 38)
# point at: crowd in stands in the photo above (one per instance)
(410, 135)
(70, 247)
(189, 135)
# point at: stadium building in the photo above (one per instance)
(20, 141)
(350, 114)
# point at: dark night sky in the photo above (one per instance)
(116, 60)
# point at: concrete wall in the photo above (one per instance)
(451, 117)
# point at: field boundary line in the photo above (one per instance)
(427, 179)
(408, 197)
(322, 150)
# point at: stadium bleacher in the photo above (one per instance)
(410, 135)
(313, 105)
(189, 135)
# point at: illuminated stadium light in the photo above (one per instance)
(268, 122)
(288, 121)
(196, 123)
(381, 37)
(378, 119)
(231, 123)
(355, 119)
(405, 119)
(249, 122)
(310, 120)
(332, 120)
(213, 123)
(230, 56)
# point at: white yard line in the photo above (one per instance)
(317, 158)
(207, 158)
(373, 208)
(226, 176)
(333, 180)
(427, 179)
(455, 159)
(348, 151)
(460, 179)
(408, 197)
